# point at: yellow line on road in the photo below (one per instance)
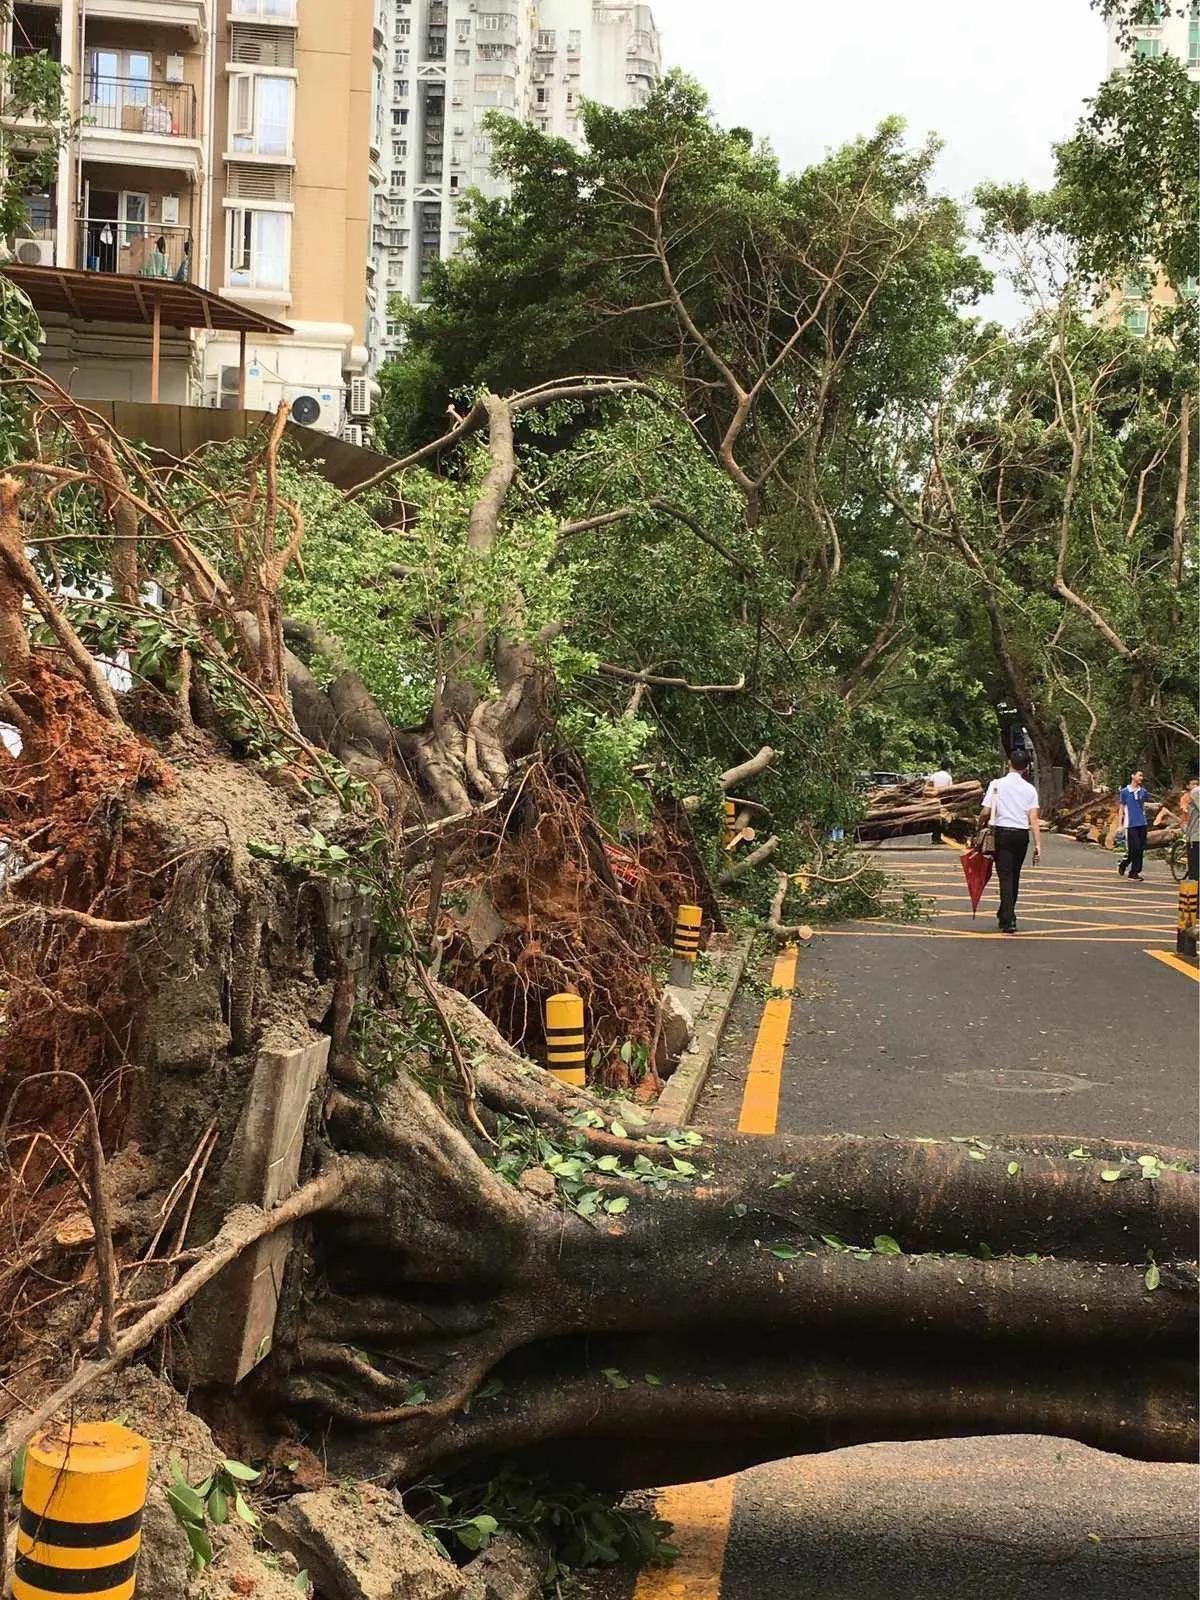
(760, 1101)
(902, 932)
(700, 1514)
(1180, 965)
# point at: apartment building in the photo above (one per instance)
(220, 143)
(1175, 31)
(449, 63)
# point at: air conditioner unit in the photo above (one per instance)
(229, 382)
(360, 397)
(306, 410)
(356, 435)
(35, 252)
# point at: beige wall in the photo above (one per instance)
(333, 111)
(160, 42)
(330, 220)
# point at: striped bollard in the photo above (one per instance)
(686, 945)
(81, 1513)
(565, 1053)
(1185, 931)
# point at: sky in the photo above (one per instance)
(998, 80)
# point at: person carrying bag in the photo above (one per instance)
(1010, 814)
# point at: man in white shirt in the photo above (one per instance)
(937, 781)
(1011, 807)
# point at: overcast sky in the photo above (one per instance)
(998, 80)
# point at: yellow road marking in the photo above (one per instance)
(953, 844)
(700, 1513)
(904, 932)
(1170, 960)
(760, 1100)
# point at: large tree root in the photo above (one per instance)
(752, 1305)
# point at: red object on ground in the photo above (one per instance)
(625, 868)
(977, 869)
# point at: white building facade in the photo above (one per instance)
(450, 63)
(1175, 33)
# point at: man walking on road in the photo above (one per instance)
(1133, 799)
(1191, 825)
(1011, 807)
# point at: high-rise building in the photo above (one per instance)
(222, 143)
(301, 159)
(1175, 31)
(450, 62)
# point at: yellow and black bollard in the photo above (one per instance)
(686, 945)
(81, 1513)
(565, 1052)
(1185, 931)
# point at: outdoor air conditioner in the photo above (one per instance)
(360, 397)
(35, 252)
(355, 435)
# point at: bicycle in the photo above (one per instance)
(1177, 858)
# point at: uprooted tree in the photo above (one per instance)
(489, 1263)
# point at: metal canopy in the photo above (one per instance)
(119, 297)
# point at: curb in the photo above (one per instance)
(677, 1102)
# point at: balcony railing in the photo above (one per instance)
(138, 249)
(139, 105)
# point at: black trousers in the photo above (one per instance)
(1193, 853)
(1135, 849)
(1012, 845)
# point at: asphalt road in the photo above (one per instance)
(937, 1028)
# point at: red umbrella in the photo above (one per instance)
(977, 869)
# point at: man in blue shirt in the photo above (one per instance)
(1133, 799)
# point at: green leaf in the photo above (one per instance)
(588, 1202)
(185, 1503)
(617, 1205)
(614, 1378)
(608, 1163)
(617, 1130)
(1110, 1175)
(977, 1155)
(783, 1180)
(246, 1511)
(1013, 1168)
(832, 1240)
(1153, 1277)
(218, 1505)
(652, 1379)
(240, 1471)
(885, 1245)
(684, 1167)
(785, 1252)
(202, 1550)
(1078, 1154)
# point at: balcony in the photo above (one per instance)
(139, 120)
(136, 249)
(187, 15)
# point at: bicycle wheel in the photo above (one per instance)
(1177, 859)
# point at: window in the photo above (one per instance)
(280, 10)
(401, 60)
(1194, 36)
(543, 96)
(399, 119)
(1137, 285)
(403, 27)
(259, 249)
(545, 39)
(1137, 321)
(497, 22)
(399, 178)
(1148, 49)
(400, 89)
(395, 210)
(399, 149)
(1188, 288)
(135, 209)
(574, 41)
(462, 58)
(488, 82)
(261, 111)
